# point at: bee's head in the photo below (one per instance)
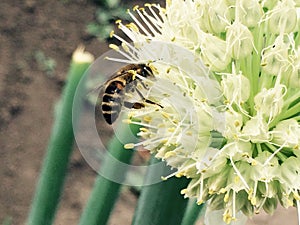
(147, 70)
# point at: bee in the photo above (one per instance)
(125, 80)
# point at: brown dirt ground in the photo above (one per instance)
(27, 101)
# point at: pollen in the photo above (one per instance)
(147, 119)
(111, 34)
(183, 191)
(114, 47)
(136, 7)
(129, 146)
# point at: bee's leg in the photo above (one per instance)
(134, 105)
(147, 100)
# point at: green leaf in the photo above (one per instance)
(192, 213)
(105, 191)
(59, 149)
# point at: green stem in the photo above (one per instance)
(192, 213)
(297, 38)
(59, 149)
(291, 111)
(105, 191)
(258, 147)
(272, 149)
(291, 98)
(161, 203)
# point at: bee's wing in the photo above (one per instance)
(101, 86)
(96, 89)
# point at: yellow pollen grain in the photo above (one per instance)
(211, 191)
(180, 174)
(263, 64)
(296, 196)
(170, 154)
(125, 47)
(189, 133)
(136, 7)
(166, 115)
(112, 33)
(147, 5)
(131, 114)
(163, 178)
(171, 129)
(226, 197)
(143, 129)
(226, 102)
(118, 21)
(227, 218)
(161, 125)
(236, 179)
(133, 27)
(147, 119)
(290, 202)
(253, 201)
(129, 146)
(235, 136)
(163, 10)
(236, 123)
(199, 202)
(114, 47)
(183, 191)
(164, 141)
(222, 191)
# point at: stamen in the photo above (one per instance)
(132, 48)
(139, 123)
(154, 13)
(233, 205)
(200, 200)
(134, 58)
(139, 24)
(154, 32)
(121, 60)
(274, 153)
(238, 173)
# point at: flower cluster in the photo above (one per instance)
(251, 49)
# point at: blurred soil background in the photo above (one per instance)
(37, 39)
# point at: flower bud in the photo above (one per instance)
(239, 40)
(256, 129)
(283, 18)
(215, 16)
(213, 52)
(249, 12)
(236, 88)
(287, 133)
(269, 102)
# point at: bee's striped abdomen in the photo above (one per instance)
(112, 101)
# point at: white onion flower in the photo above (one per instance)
(252, 50)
